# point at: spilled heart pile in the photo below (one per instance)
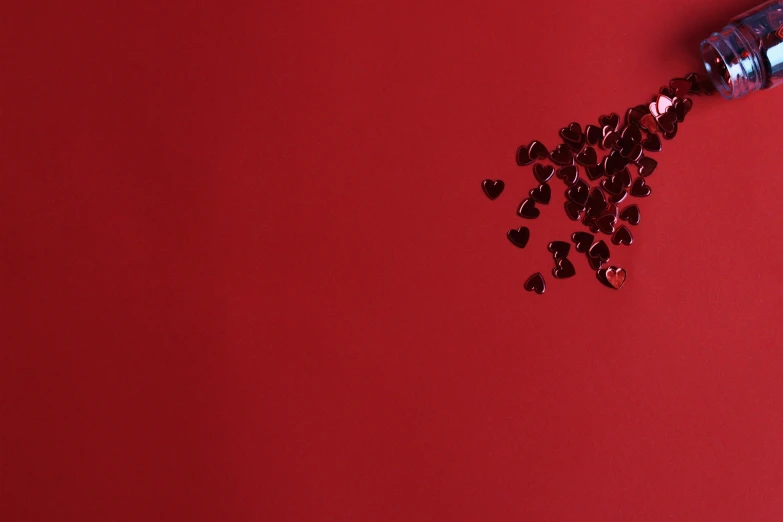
(596, 206)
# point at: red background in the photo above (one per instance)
(248, 272)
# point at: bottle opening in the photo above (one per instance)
(732, 62)
(717, 70)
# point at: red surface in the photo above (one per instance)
(248, 272)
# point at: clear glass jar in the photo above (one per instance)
(747, 55)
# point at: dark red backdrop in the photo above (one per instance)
(248, 272)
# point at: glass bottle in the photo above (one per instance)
(747, 55)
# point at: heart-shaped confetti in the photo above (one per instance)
(633, 133)
(587, 157)
(610, 140)
(564, 269)
(680, 86)
(612, 276)
(649, 124)
(523, 157)
(625, 177)
(519, 236)
(640, 189)
(646, 166)
(654, 110)
(606, 223)
(582, 241)
(579, 192)
(572, 133)
(613, 184)
(594, 263)
(595, 172)
(631, 214)
(663, 104)
(493, 187)
(682, 106)
(541, 194)
(562, 155)
(527, 209)
(613, 120)
(652, 143)
(538, 151)
(622, 236)
(668, 122)
(593, 135)
(559, 249)
(597, 208)
(568, 174)
(543, 173)
(634, 115)
(596, 202)
(618, 198)
(535, 283)
(614, 163)
(600, 250)
(573, 211)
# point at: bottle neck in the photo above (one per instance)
(733, 62)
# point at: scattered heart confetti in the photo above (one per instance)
(573, 211)
(568, 174)
(613, 120)
(535, 283)
(587, 157)
(605, 152)
(594, 263)
(610, 140)
(595, 172)
(582, 241)
(640, 189)
(527, 209)
(564, 269)
(606, 223)
(519, 236)
(543, 173)
(493, 187)
(579, 192)
(631, 214)
(614, 163)
(594, 135)
(562, 155)
(652, 143)
(612, 276)
(596, 202)
(618, 198)
(613, 185)
(523, 156)
(622, 236)
(599, 250)
(680, 86)
(646, 166)
(573, 132)
(559, 249)
(541, 194)
(537, 151)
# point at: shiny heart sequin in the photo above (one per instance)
(493, 187)
(543, 173)
(563, 269)
(541, 194)
(519, 236)
(640, 189)
(631, 214)
(527, 209)
(535, 283)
